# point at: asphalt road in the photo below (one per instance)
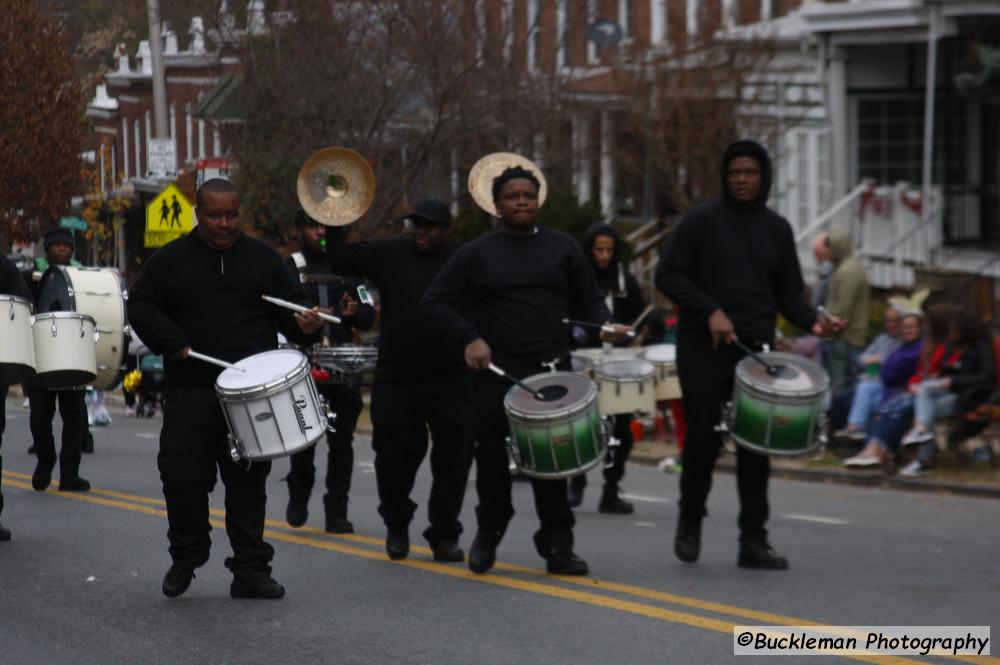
(80, 582)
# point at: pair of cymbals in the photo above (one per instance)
(486, 170)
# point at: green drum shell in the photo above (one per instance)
(776, 422)
(559, 444)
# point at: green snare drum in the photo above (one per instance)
(557, 439)
(778, 415)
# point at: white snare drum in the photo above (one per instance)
(98, 293)
(17, 348)
(65, 352)
(272, 408)
(664, 358)
(625, 386)
(581, 364)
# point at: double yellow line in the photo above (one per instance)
(588, 591)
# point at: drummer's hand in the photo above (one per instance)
(182, 354)
(721, 328)
(477, 355)
(618, 334)
(348, 305)
(309, 321)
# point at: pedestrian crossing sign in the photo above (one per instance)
(168, 216)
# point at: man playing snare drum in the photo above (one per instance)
(519, 284)
(731, 267)
(203, 292)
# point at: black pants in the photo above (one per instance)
(73, 411)
(346, 402)
(192, 446)
(493, 478)
(3, 426)
(614, 469)
(402, 416)
(706, 377)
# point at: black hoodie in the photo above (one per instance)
(738, 258)
(620, 288)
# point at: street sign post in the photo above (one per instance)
(168, 216)
(161, 158)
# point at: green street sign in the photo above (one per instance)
(74, 223)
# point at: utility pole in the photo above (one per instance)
(159, 82)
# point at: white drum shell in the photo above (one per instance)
(625, 394)
(17, 345)
(65, 352)
(277, 418)
(664, 359)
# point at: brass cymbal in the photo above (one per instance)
(485, 171)
(335, 186)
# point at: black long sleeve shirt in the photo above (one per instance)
(190, 295)
(517, 290)
(315, 277)
(742, 260)
(409, 348)
(11, 283)
(625, 307)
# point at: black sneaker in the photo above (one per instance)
(339, 525)
(297, 513)
(397, 543)
(177, 580)
(260, 586)
(687, 541)
(612, 503)
(566, 563)
(74, 485)
(4, 533)
(483, 553)
(42, 477)
(760, 555)
(447, 551)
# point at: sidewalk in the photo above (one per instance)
(979, 479)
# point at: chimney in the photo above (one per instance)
(121, 55)
(256, 24)
(144, 58)
(197, 32)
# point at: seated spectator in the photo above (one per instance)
(969, 365)
(895, 371)
(870, 360)
(895, 413)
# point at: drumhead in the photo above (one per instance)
(625, 369)
(580, 391)
(262, 371)
(660, 353)
(800, 377)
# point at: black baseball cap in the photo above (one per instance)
(431, 210)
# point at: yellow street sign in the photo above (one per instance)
(168, 216)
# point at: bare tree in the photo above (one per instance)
(41, 120)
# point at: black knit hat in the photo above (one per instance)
(57, 234)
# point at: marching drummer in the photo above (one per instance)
(71, 401)
(11, 284)
(731, 267)
(624, 299)
(504, 296)
(421, 386)
(335, 295)
(203, 292)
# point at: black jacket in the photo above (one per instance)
(621, 290)
(11, 282)
(974, 368)
(738, 258)
(325, 289)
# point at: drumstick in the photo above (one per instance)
(214, 361)
(603, 328)
(771, 369)
(299, 308)
(645, 313)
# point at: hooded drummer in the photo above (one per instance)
(731, 267)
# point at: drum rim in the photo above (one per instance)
(626, 379)
(559, 475)
(18, 299)
(64, 315)
(775, 452)
(300, 371)
(590, 398)
(742, 379)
